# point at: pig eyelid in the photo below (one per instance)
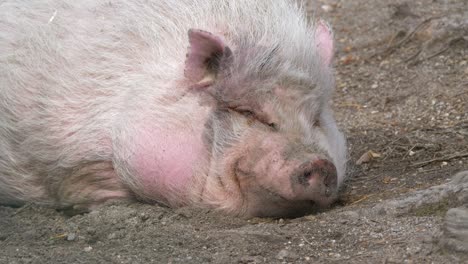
(250, 114)
(245, 112)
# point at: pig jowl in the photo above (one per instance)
(217, 104)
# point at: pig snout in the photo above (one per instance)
(320, 170)
(316, 181)
(293, 188)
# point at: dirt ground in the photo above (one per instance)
(402, 100)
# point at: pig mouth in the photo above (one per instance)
(264, 200)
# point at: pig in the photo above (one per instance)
(204, 103)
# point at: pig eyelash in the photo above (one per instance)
(245, 112)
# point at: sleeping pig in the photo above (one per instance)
(213, 103)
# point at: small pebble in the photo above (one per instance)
(71, 237)
(112, 236)
(88, 249)
(282, 254)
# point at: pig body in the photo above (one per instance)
(212, 103)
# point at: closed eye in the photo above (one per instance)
(316, 123)
(253, 116)
(274, 126)
(246, 113)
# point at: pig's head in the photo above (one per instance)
(275, 147)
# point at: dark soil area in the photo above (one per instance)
(402, 100)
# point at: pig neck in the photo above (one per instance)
(169, 158)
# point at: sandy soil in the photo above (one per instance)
(401, 98)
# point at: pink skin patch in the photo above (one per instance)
(165, 157)
(324, 40)
(164, 160)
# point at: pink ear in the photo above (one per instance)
(324, 40)
(204, 53)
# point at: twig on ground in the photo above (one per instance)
(24, 207)
(361, 199)
(442, 50)
(306, 240)
(414, 56)
(447, 158)
(391, 48)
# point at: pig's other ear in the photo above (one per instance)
(205, 53)
(324, 42)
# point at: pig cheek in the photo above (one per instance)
(264, 168)
(260, 165)
(258, 201)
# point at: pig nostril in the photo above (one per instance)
(327, 183)
(328, 172)
(304, 177)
